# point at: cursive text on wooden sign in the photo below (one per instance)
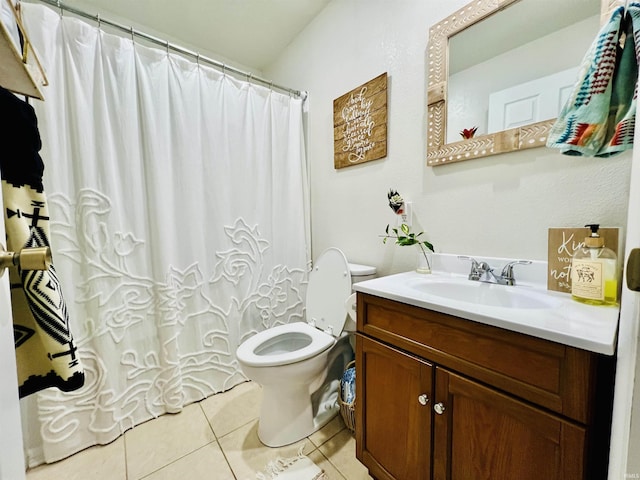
(360, 124)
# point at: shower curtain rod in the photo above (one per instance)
(165, 43)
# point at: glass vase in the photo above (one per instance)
(424, 260)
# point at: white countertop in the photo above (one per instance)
(562, 320)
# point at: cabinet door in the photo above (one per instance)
(393, 412)
(482, 434)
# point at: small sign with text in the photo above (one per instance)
(360, 124)
(563, 243)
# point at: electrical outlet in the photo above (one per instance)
(406, 216)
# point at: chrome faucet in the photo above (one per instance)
(482, 271)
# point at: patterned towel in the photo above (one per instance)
(45, 351)
(599, 117)
(348, 385)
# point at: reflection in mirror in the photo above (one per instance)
(496, 85)
(505, 67)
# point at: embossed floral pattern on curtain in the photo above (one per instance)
(177, 196)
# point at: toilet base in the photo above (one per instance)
(287, 414)
(293, 411)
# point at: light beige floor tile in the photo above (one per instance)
(234, 408)
(159, 442)
(182, 446)
(207, 462)
(247, 455)
(321, 461)
(102, 462)
(329, 430)
(341, 452)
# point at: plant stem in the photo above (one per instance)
(424, 252)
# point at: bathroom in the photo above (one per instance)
(498, 206)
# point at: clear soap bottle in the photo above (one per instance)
(594, 271)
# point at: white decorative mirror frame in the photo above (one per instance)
(438, 151)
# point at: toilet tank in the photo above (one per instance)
(360, 273)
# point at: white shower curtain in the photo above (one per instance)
(177, 196)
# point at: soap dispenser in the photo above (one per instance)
(594, 271)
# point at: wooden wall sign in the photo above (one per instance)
(360, 124)
(563, 242)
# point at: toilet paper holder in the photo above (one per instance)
(35, 258)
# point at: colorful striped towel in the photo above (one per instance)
(599, 117)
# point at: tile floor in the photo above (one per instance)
(215, 439)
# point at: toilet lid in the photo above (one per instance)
(328, 288)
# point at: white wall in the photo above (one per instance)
(11, 456)
(499, 206)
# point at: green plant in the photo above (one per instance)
(404, 236)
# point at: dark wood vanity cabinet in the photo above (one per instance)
(443, 398)
(394, 442)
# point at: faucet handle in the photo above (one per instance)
(476, 267)
(507, 271)
(465, 257)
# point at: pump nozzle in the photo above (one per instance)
(594, 229)
(594, 240)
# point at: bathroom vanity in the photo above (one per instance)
(448, 390)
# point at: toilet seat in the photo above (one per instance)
(328, 288)
(261, 350)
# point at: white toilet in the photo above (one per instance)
(299, 364)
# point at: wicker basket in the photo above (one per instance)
(347, 410)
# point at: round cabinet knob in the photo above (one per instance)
(423, 399)
(439, 408)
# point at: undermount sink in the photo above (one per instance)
(479, 293)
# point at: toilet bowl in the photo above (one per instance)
(299, 364)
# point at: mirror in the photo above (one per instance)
(488, 67)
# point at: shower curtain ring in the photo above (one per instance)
(133, 35)
(198, 58)
(60, 7)
(99, 20)
(224, 70)
(167, 47)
